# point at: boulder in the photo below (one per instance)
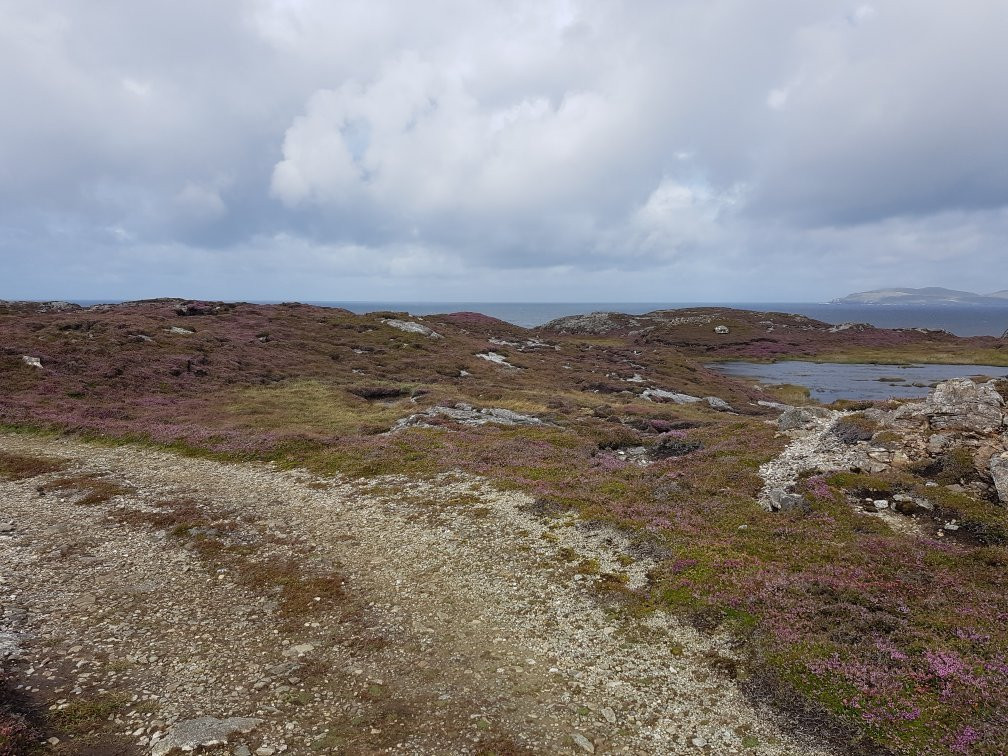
(718, 403)
(999, 472)
(961, 404)
(411, 327)
(799, 417)
(782, 501)
(661, 395)
(205, 732)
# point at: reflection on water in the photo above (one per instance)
(831, 381)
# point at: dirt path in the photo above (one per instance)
(434, 617)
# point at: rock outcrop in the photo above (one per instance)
(411, 327)
(999, 472)
(956, 437)
(958, 404)
(204, 732)
(464, 414)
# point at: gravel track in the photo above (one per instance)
(469, 623)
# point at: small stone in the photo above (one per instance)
(881, 503)
(698, 742)
(609, 715)
(242, 750)
(53, 741)
(582, 742)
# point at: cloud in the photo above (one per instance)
(716, 146)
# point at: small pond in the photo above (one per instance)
(829, 381)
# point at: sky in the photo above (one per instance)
(553, 150)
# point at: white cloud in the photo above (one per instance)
(692, 138)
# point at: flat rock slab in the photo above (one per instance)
(204, 732)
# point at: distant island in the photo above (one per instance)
(931, 295)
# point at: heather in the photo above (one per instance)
(886, 639)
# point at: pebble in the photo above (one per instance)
(582, 742)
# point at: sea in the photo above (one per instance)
(962, 321)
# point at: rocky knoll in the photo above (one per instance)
(959, 421)
(945, 457)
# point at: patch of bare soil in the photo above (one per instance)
(442, 616)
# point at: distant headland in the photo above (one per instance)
(929, 296)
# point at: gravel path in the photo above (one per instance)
(456, 619)
(813, 448)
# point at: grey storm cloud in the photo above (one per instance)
(692, 149)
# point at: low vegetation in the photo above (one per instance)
(893, 640)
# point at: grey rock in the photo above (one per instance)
(582, 742)
(241, 750)
(464, 414)
(717, 403)
(411, 327)
(203, 732)
(999, 472)
(179, 331)
(937, 443)
(497, 359)
(34, 362)
(661, 395)
(609, 714)
(6, 527)
(782, 501)
(773, 405)
(796, 417)
(961, 404)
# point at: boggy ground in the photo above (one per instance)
(387, 615)
(881, 638)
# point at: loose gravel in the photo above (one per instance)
(466, 622)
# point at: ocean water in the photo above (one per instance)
(962, 321)
(828, 381)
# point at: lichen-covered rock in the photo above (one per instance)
(999, 472)
(782, 501)
(204, 732)
(411, 327)
(799, 417)
(464, 414)
(718, 403)
(961, 404)
(661, 395)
